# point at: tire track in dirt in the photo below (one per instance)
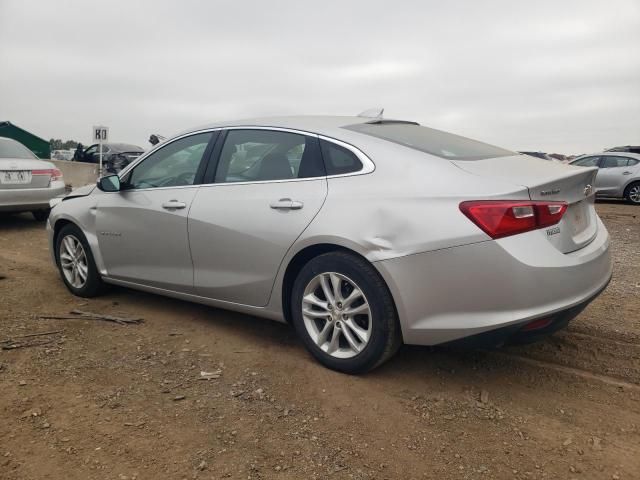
(577, 372)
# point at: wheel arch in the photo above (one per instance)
(62, 221)
(306, 254)
(626, 188)
(57, 227)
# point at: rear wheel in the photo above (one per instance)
(344, 313)
(41, 215)
(76, 264)
(632, 193)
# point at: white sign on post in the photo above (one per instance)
(100, 134)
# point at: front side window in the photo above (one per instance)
(613, 162)
(587, 162)
(263, 155)
(176, 164)
(92, 149)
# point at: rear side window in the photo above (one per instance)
(264, 155)
(434, 142)
(632, 162)
(613, 162)
(339, 160)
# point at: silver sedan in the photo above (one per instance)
(363, 233)
(618, 174)
(27, 184)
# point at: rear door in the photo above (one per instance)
(264, 190)
(142, 229)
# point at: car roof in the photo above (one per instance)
(609, 154)
(318, 124)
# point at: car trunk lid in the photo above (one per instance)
(549, 181)
(19, 173)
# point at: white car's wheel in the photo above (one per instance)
(632, 193)
(344, 313)
(76, 264)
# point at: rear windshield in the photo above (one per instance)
(11, 149)
(428, 140)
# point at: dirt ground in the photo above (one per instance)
(98, 400)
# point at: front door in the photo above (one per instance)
(268, 187)
(142, 230)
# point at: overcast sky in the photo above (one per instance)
(557, 76)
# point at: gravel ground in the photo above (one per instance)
(98, 400)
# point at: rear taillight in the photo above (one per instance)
(54, 173)
(502, 218)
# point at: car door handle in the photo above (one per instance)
(286, 204)
(626, 173)
(173, 205)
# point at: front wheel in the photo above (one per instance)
(76, 264)
(344, 313)
(632, 193)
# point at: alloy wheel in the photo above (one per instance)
(336, 315)
(634, 194)
(73, 261)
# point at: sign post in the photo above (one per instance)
(100, 134)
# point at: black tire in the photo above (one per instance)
(627, 193)
(385, 337)
(41, 215)
(93, 285)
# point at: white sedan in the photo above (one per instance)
(362, 232)
(27, 184)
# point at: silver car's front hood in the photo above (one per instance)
(77, 193)
(80, 192)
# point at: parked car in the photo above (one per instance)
(363, 233)
(618, 174)
(62, 155)
(626, 148)
(27, 184)
(541, 155)
(115, 156)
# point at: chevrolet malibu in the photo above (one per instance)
(364, 233)
(27, 184)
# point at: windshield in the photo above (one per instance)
(9, 148)
(428, 140)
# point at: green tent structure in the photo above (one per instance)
(34, 143)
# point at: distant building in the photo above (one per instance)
(34, 143)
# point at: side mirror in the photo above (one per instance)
(110, 183)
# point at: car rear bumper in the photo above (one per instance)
(521, 333)
(27, 199)
(459, 292)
